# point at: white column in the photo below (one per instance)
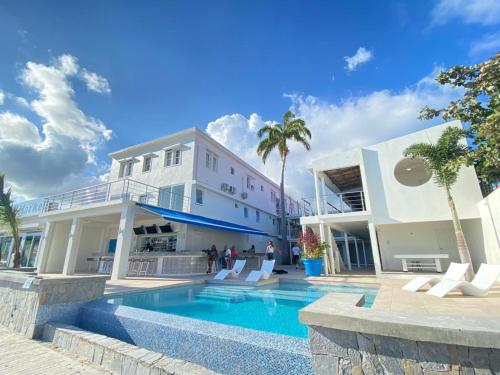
(323, 239)
(324, 201)
(318, 197)
(364, 253)
(45, 244)
(347, 254)
(331, 241)
(357, 251)
(123, 241)
(75, 235)
(375, 250)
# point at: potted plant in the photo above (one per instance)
(313, 253)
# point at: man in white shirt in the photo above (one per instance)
(296, 255)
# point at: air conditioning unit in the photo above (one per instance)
(224, 187)
(232, 190)
(244, 195)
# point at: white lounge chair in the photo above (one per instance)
(480, 286)
(234, 272)
(456, 271)
(266, 270)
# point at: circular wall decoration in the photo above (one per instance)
(411, 172)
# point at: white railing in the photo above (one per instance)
(353, 201)
(122, 189)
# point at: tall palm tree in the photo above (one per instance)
(277, 136)
(9, 217)
(444, 160)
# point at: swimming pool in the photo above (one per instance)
(272, 308)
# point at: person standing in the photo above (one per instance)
(234, 255)
(212, 257)
(270, 250)
(227, 257)
(296, 255)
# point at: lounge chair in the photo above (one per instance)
(234, 272)
(480, 286)
(266, 270)
(456, 271)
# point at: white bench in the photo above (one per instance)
(409, 261)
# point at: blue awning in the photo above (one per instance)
(202, 221)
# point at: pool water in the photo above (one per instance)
(271, 308)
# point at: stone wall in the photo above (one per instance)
(25, 309)
(115, 355)
(345, 352)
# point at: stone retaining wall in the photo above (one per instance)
(115, 355)
(25, 309)
(346, 339)
(346, 352)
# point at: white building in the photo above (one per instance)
(383, 209)
(196, 181)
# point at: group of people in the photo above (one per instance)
(226, 259)
(228, 256)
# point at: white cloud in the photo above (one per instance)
(2, 97)
(39, 163)
(95, 82)
(490, 43)
(355, 122)
(361, 56)
(486, 12)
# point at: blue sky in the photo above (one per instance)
(145, 69)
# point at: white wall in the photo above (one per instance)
(159, 175)
(489, 209)
(58, 247)
(393, 202)
(257, 198)
(90, 244)
(428, 238)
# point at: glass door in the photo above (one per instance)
(34, 251)
(29, 251)
(5, 243)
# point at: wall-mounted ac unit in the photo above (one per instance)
(244, 195)
(232, 190)
(224, 187)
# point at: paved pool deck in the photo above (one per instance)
(390, 296)
(21, 355)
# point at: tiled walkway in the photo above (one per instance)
(22, 356)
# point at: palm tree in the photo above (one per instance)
(277, 136)
(9, 217)
(444, 160)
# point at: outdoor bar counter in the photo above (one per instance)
(159, 263)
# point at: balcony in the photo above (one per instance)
(122, 189)
(353, 201)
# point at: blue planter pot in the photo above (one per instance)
(313, 266)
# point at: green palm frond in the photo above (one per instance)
(443, 159)
(277, 136)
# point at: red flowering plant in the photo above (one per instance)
(313, 247)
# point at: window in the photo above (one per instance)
(236, 205)
(126, 168)
(261, 187)
(211, 161)
(273, 195)
(146, 164)
(232, 170)
(257, 216)
(199, 196)
(172, 157)
(172, 197)
(245, 212)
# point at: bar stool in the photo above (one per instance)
(143, 267)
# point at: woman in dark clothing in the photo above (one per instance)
(213, 255)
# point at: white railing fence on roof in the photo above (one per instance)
(122, 189)
(353, 201)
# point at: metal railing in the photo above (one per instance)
(353, 201)
(122, 189)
